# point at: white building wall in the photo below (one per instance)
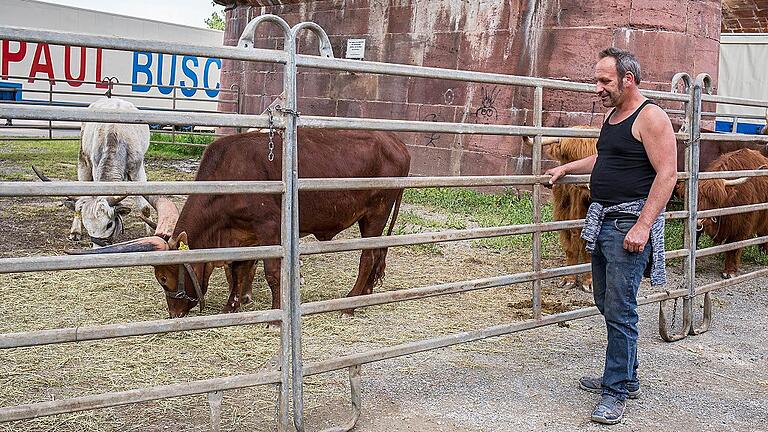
(743, 65)
(38, 64)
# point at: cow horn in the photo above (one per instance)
(45, 178)
(115, 200)
(146, 244)
(544, 140)
(148, 221)
(736, 181)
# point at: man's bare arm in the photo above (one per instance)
(658, 138)
(581, 166)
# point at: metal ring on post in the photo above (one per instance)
(354, 384)
(664, 332)
(326, 50)
(705, 81)
(706, 321)
(248, 37)
(685, 79)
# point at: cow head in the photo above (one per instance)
(713, 194)
(567, 149)
(184, 285)
(102, 217)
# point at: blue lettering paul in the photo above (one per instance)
(148, 70)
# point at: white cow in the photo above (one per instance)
(110, 152)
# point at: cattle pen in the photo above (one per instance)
(290, 371)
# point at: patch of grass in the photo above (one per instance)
(171, 150)
(56, 158)
(487, 210)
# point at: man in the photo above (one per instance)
(633, 175)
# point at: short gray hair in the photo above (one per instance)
(625, 62)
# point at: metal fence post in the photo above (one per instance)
(536, 170)
(50, 102)
(702, 83)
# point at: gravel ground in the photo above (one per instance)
(717, 381)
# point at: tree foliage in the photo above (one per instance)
(215, 22)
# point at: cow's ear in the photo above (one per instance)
(178, 242)
(122, 210)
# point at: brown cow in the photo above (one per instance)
(718, 193)
(215, 221)
(570, 201)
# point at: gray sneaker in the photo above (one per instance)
(595, 385)
(610, 410)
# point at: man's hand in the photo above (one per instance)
(556, 173)
(637, 238)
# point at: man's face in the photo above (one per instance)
(610, 88)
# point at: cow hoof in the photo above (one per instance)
(247, 298)
(348, 313)
(230, 307)
(567, 284)
(273, 326)
(587, 288)
(74, 237)
(726, 275)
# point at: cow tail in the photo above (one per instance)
(381, 254)
(395, 211)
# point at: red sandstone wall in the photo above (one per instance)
(557, 39)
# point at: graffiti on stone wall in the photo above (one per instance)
(433, 137)
(449, 97)
(487, 112)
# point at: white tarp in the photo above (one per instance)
(743, 73)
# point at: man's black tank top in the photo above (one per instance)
(622, 172)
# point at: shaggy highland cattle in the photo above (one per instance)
(570, 201)
(216, 221)
(718, 193)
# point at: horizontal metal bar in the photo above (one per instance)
(431, 237)
(323, 184)
(85, 333)
(127, 44)
(731, 210)
(734, 100)
(435, 290)
(77, 188)
(712, 250)
(42, 112)
(318, 122)
(732, 281)
(74, 262)
(732, 174)
(733, 137)
(113, 399)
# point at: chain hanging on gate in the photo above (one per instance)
(271, 145)
(674, 314)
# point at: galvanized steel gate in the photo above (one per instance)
(292, 370)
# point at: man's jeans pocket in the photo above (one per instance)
(624, 224)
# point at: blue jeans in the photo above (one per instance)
(616, 275)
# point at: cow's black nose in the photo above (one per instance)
(100, 241)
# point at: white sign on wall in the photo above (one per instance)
(355, 49)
